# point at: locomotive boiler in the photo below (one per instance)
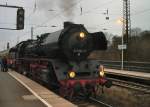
(60, 59)
(73, 43)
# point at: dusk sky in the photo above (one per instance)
(43, 14)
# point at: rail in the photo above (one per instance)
(101, 102)
(128, 65)
(131, 85)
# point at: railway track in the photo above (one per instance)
(100, 102)
(130, 65)
(82, 101)
(91, 102)
(131, 85)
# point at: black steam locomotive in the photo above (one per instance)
(60, 59)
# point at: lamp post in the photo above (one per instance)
(120, 22)
(122, 51)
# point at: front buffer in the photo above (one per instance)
(87, 87)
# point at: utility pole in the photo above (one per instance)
(126, 31)
(33, 28)
(8, 46)
(31, 33)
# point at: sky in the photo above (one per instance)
(43, 14)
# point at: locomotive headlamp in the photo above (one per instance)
(72, 74)
(101, 71)
(82, 34)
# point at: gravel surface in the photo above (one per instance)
(123, 97)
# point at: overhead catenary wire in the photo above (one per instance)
(141, 12)
(90, 11)
(100, 6)
(72, 7)
(133, 14)
(66, 10)
(54, 16)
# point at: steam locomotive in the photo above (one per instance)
(60, 59)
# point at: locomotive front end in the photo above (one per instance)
(75, 43)
(86, 77)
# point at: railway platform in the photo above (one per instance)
(134, 74)
(19, 91)
(13, 94)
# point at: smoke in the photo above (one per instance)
(67, 7)
(45, 6)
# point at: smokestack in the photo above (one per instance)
(66, 24)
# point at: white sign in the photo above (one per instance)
(120, 47)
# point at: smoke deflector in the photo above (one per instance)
(99, 41)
